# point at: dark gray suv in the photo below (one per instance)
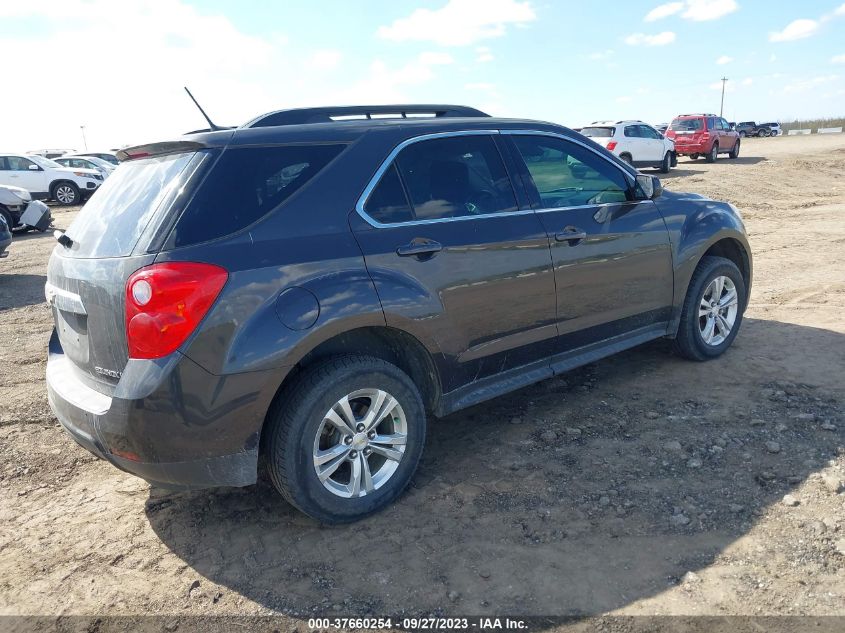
(309, 286)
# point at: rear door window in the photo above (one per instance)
(245, 185)
(452, 177)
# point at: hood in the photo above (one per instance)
(13, 196)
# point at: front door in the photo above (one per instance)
(26, 174)
(610, 251)
(456, 260)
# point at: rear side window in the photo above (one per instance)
(686, 125)
(454, 177)
(111, 222)
(598, 132)
(245, 185)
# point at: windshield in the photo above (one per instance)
(45, 163)
(99, 162)
(110, 224)
(604, 132)
(686, 125)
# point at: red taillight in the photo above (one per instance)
(611, 146)
(166, 302)
(704, 136)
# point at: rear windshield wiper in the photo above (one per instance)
(63, 239)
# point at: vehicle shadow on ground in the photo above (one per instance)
(575, 496)
(25, 236)
(19, 290)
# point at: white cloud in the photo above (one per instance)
(624, 99)
(724, 59)
(641, 39)
(664, 11)
(483, 54)
(795, 30)
(703, 10)
(459, 22)
(838, 59)
(840, 10)
(747, 81)
(804, 85)
(600, 55)
(325, 59)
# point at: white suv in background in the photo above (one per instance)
(44, 178)
(635, 142)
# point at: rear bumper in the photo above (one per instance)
(159, 424)
(691, 148)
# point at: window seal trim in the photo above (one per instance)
(385, 165)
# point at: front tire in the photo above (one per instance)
(713, 154)
(666, 165)
(713, 309)
(66, 194)
(345, 438)
(734, 153)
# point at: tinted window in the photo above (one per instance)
(388, 203)
(632, 131)
(598, 132)
(649, 132)
(686, 125)
(111, 222)
(245, 185)
(455, 177)
(725, 124)
(566, 174)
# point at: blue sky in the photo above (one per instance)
(118, 67)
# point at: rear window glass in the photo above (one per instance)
(598, 132)
(686, 125)
(110, 224)
(245, 185)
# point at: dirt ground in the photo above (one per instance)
(665, 487)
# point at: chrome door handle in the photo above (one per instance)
(420, 248)
(572, 235)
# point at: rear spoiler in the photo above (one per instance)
(158, 149)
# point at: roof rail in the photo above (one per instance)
(327, 115)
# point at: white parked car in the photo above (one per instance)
(87, 162)
(635, 142)
(109, 157)
(46, 179)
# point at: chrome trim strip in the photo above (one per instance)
(362, 200)
(63, 299)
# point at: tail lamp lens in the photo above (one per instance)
(166, 302)
(611, 146)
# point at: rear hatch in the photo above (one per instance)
(601, 134)
(117, 232)
(687, 131)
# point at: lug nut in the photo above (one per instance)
(368, 452)
(371, 435)
(360, 427)
(347, 440)
(353, 454)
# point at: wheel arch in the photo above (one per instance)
(393, 345)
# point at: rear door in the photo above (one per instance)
(456, 258)
(611, 253)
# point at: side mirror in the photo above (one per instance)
(650, 186)
(33, 167)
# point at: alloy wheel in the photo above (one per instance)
(717, 310)
(360, 443)
(65, 194)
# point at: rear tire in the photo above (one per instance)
(734, 153)
(66, 194)
(666, 165)
(713, 154)
(8, 217)
(691, 341)
(693, 156)
(627, 158)
(307, 432)
(742, 135)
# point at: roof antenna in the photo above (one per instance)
(211, 124)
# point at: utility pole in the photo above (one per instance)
(84, 142)
(722, 107)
